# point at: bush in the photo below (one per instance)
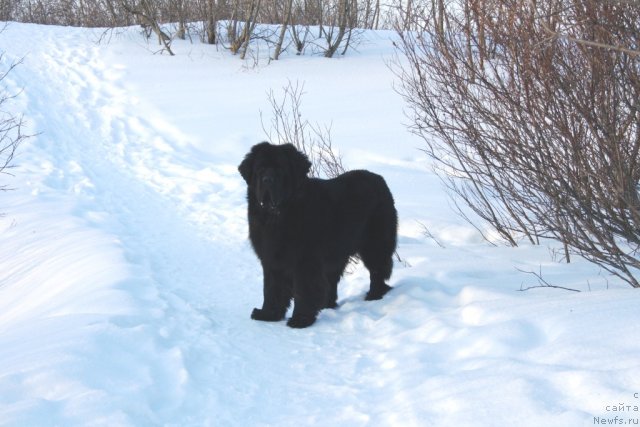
(10, 125)
(530, 109)
(289, 126)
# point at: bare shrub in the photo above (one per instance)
(148, 14)
(299, 36)
(530, 109)
(11, 125)
(242, 25)
(288, 126)
(339, 19)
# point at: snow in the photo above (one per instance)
(126, 278)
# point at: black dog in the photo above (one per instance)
(304, 230)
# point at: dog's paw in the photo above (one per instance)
(377, 293)
(265, 315)
(301, 321)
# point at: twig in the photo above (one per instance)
(543, 283)
(430, 235)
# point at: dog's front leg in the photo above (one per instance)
(277, 297)
(309, 294)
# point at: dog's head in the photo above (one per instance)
(273, 173)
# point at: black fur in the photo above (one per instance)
(304, 230)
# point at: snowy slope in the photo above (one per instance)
(126, 279)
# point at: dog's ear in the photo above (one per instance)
(246, 167)
(299, 161)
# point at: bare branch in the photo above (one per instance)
(542, 283)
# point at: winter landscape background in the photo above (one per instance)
(126, 277)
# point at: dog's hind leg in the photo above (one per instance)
(378, 286)
(377, 250)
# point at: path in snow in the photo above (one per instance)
(139, 366)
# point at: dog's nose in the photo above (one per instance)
(267, 179)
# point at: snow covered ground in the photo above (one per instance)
(126, 278)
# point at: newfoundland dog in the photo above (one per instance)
(304, 230)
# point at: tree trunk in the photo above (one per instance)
(283, 30)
